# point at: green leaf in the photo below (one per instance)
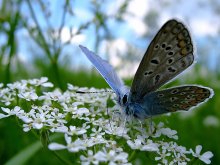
(23, 156)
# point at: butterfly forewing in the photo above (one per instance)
(105, 69)
(177, 99)
(170, 53)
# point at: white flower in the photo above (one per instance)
(41, 82)
(113, 129)
(96, 132)
(28, 96)
(73, 130)
(211, 121)
(27, 127)
(55, 116)
(112, 157)
(97, 140)
(205, 157)
(7, 96)
(18, 85)
(140, 145)
(167, 132)
(1, 85)
(57, 127)
(77, 113)
(162, 156)
(89, 159)
(74, 146)
(56, 95)
(17, 111)
(178, 159)
(36, 119)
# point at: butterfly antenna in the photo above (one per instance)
(140, 124)
(106, 91)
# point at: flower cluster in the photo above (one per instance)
(92, 125)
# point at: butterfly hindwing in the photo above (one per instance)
(170, 53)
(180, 98)
(105, 69)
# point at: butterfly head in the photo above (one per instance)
(123, 96)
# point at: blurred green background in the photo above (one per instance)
(40, 38)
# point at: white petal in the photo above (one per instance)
(112, 153)
(198, 149)
(17, 108)
(82, 111)
(47, 84)
(6, 110)
(100, 156)
(56, 146)
(37, 125)
(25, 119)
(3, 116)
(150, 147)
(34, 96)
(68, 139)
(207, 155)
(43, 79)
(207, 161)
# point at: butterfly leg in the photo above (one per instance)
(151, 125)
(109, 118)
(140, 123)
(124, 124)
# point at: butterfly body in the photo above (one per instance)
(169, 54)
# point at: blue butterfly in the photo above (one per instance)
(169, 53)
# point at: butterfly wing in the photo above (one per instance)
(105, 69)
(180, 98)
(169, 53)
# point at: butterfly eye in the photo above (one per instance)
(125, 99)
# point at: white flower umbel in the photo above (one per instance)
(91, 127)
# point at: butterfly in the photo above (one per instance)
(169, 54)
